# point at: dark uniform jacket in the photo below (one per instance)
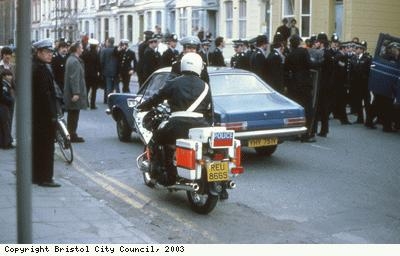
(169, 57)
(127, 61)
(274, 71)
(151, 62)
(58, 66)
(258, 63)
(298, 64)
(217, 58)
(240, 60)
(91, 59)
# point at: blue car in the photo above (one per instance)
(261, 117)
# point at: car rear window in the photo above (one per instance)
(234, 84)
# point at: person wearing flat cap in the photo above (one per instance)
(44, 114)
(127, 63)
(170, 55)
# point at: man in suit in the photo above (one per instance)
(126, 64)
(171, 54)
(217, 56)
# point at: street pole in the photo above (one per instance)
(24, 123)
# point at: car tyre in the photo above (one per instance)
(266, 151)
(123, 129)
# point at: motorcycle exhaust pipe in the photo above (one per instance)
(187, 187)
(231, 184)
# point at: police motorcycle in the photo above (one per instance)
(203, 165)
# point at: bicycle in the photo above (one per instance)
(63, 140)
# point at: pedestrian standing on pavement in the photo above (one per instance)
(44, 114)
(91, 59)
(109, 68)
(58, 64)
(75, 95)
(127, 64)
(6, 102)
(298, 65)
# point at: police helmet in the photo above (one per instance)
(192, 62)
(190, 41)
(44, 44)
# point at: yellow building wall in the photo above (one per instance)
(367, 18)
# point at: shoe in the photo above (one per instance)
(224, 195)
(308, 138)
(49, 184)
(77, 139)
(322, 134)
(370, 126)
(93, 107)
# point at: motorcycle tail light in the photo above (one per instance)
(237, 170)
(186, 158)
(218, 157)
(238, 156)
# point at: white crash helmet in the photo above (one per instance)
(192, 62)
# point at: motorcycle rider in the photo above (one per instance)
(190, 102)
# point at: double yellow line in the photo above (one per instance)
(133, 198)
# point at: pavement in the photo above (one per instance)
(67, 214)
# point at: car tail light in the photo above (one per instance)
(236, 126)
(186, 158)
(295, 121)
(237, 170)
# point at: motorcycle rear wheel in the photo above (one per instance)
(202, 203)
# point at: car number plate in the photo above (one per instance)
(217, 171)
(263, 142)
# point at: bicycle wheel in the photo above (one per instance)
(64, 144)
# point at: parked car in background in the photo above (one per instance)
(261, 117)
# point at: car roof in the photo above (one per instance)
(213, 70)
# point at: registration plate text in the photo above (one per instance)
(217, 171)
(263, 142)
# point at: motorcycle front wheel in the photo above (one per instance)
(202, 203)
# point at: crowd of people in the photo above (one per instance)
(327, 77)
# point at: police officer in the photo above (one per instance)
(205, 51)
(171, 54)
(127, 64)
(151, 58)
(142, 47)
(239, 59)
(191, 105)
(275, 67)
(91, 59)
(258, 59)
(190, 44)
(44, 114)
(360, 65)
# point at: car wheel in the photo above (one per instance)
(266, 151)
(123, 129)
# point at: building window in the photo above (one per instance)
(242, 18)
(130, 28)
(288, 8)
(87, 27)
(148, 20)
(106, 29)
(158, 18)
(121, 26)
(195, 22)
(229, 18)
(183, 22)
(305, 18)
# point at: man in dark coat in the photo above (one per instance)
(171, 54)
(217, 58)
(91, 59)
(258, 59)
(127, 64)
(44, 115)
(151, 58)
(109, 68)
(284, 30)
(274, 67)
(58, 64)
(142, 47)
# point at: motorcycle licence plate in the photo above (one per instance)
(217, 171)
(263, 142)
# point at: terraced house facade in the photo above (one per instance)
(231, 19)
